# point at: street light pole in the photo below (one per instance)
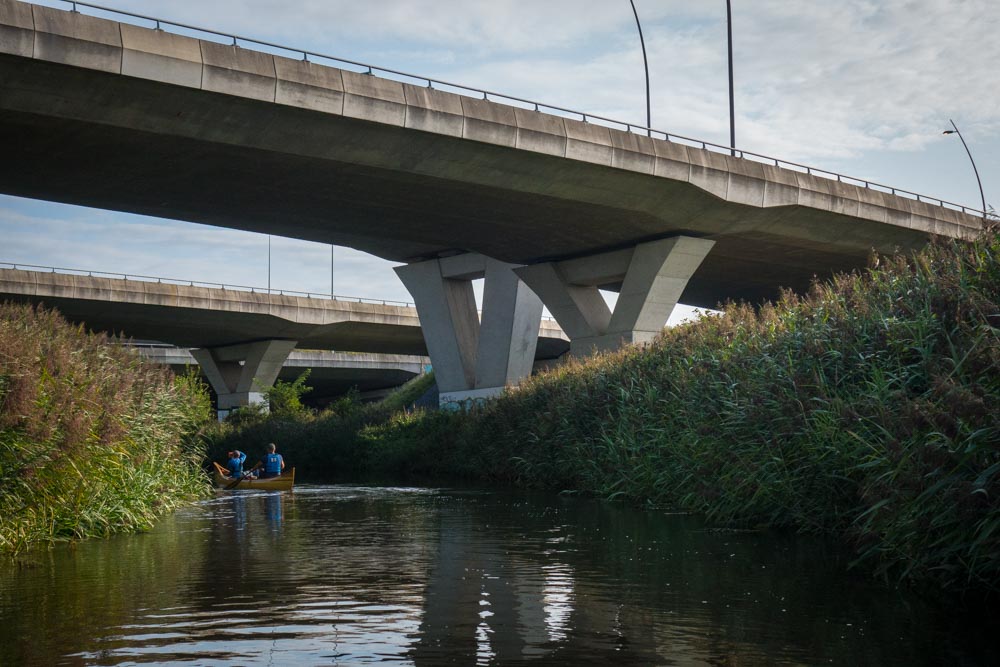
(732, 107)
(268, 262)
(976, 171)
(645, 63)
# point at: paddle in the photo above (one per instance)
(223, 471)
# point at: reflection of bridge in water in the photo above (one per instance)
(491, 578)
(336, 574)
(428, 580)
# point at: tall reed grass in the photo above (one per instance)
(93, 440)
(868, 408)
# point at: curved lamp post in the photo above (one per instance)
(976, 171)
(645, 63)
(732, 107)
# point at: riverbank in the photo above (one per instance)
(93, 440)
(868, 410)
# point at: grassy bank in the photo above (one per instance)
(93, 440)
(868, 409)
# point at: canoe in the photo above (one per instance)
(282, 483)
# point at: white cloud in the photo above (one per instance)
(92, 240)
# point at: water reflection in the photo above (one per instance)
(340, 575)
(272, 507)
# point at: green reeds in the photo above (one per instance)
(93, 440)
(868, 408)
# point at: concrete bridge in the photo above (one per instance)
(547, 208)
(331, 374)
(244, 340)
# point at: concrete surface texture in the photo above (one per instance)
(103, 114)
(240, 374)
(469, 353)
(649, 278)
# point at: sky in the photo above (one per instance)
(859, 87)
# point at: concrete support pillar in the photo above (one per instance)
(474, 359)
(650, 279)
(240, 374)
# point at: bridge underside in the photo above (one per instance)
(546, 210)
(404, 195)
(193, 327)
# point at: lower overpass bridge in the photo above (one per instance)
(331, 374)
(244, 337)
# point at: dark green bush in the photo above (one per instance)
(322, 446)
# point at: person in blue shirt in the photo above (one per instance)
(235, 464)
(272, 463)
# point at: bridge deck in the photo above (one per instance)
(211, 317)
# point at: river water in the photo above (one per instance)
(336, 575)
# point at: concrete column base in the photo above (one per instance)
(460, 400)
(581, 347)
(237, 400)
(649, 278)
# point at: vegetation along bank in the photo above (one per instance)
(93, 440)
(868, 409)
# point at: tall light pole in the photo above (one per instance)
(732, 107)
(645, 63)
(976, 171)
(269, 263)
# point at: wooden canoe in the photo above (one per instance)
(227, 483)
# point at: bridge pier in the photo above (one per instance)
(649, 277)
(474, 358)
(240, 374)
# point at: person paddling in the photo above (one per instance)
(235, 464)
(272, 463)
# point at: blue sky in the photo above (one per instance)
(861, 87)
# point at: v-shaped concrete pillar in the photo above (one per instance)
(650, 279)
(240, 374)
(474, 359)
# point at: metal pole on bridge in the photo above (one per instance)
(732, 107)
(645, 63)
(976, 171)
